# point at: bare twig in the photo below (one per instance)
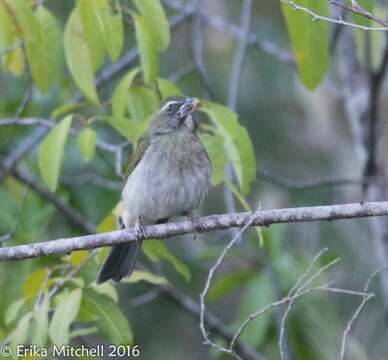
(208, 223)
(316, 17)
(70, 212)
(209, 279)
(295, 292)
(58, 285)
(182, 72)
(216, 22)
(198, 48)
(9, 235)
(211, 322)
(117, 149)
(91, 178)
(316, 183)
(358, 10)
(237, 67)
(8, 49)
(233, 91)
(367, 296)
(7, 164)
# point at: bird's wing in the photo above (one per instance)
(138, 152)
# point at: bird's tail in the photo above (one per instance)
(121, 259)
(120, 262)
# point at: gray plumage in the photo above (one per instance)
(169, 175)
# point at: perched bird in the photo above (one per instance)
(169, 175)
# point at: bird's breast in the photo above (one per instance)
(172, 178)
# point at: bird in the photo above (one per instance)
(168, 175)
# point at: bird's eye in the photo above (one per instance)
(173, 108)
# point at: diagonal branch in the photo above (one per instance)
(204, 224)
(72, 214)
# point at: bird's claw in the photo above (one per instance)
(194, 223)
(140, 230)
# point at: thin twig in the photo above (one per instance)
(233, 91)
(9, 235)
(198, 49)
(317, 17)
(295, 292)
(202, 325)
(70, 212)
(212, 322)
(358, 10)
(318, 182)
(58, 285)
(8, 163)
(365, 299)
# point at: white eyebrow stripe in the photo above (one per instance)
(170, 103)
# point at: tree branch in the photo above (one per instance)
(316, 17)
(72, 214)
(208, 223)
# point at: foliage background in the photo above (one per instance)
(296, 134)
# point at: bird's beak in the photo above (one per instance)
(188, 107)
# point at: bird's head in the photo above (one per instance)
(175, 113)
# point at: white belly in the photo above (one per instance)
(162, 186)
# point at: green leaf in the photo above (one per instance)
(51, 152)
(156, 19)
(167, 88)
(120, 96)
(23, 25)
(7, 37)
(45, 56)
(91, 31)
(237, 143)
(128, 128)
(13, 311)
(76, 257)
(65, 313)
(107, 317)
(214, 145)
(310, 40)
(33, 284)
(87, 140)
(147, 48)
(103, 27)
(83, 332)
(246, 206)
(107, 289)
(143, 102)
(107, 224)
(20, 334)
(362, 20)
(145, 276)
(73, 281)
(111, 23)
(42, 322)
(258, 293)
(79, 56)
(155, 249)
(226, 284)
(62, 110)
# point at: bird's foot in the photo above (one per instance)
(140, 230)
(194, 223)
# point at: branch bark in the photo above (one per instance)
(204, 224)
